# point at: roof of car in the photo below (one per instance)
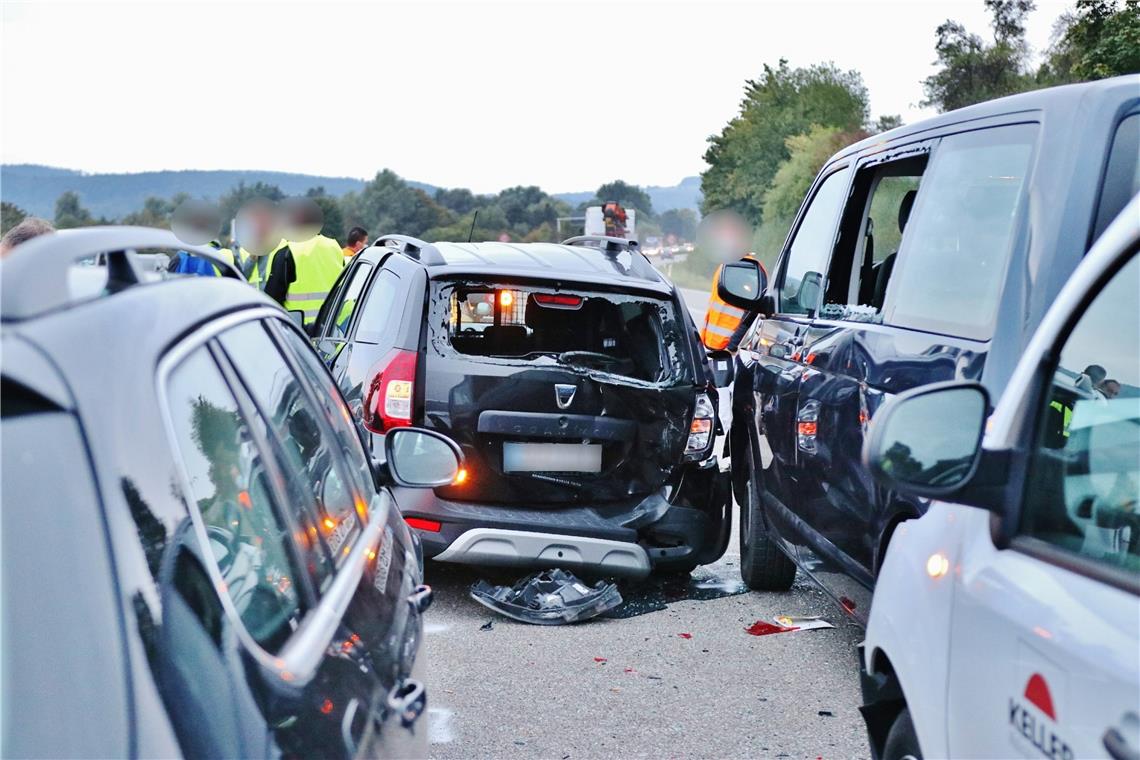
(546, 261)
(1065, 99)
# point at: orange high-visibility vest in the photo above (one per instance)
(722, 319)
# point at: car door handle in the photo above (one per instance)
(421, 598)
(408, 699)
(348, 732)
(1118, 747)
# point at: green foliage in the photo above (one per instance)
(388, 204)
(680, 222)
(1100, 39)
(784, 102)
(331, 211)
(155, 213)
(69, 212)
(10, 216)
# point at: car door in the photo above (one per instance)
(774, 359)
(911, 298)
(1044, 646)
(262, 582)
(324, 453)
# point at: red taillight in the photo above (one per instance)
(432, 526)
(558, 301)
(390, 393)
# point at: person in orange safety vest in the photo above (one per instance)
(723, 321)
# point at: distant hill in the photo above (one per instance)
(35, 188)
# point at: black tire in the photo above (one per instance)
(902, 741)
(763, 565)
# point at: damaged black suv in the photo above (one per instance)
(572, 377)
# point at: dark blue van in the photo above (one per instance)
(925, 254)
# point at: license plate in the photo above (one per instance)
(552, 457)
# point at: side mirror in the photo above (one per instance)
(720, 363)
(420, 458)
(928, 442)
(742, 284)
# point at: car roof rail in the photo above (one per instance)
(36, 276)
(414, 248)
(607, 243)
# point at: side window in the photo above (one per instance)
(808, 254)
(310, 458)
(1121, 175)
(953, 259)
(1084, 493)
(340, 315)
(877, 213)
(380, 314)
(230, 489)
(336, 412)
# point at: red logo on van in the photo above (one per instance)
(1037, 692)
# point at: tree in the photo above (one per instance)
(807, 153)
(155, 213)
(783, 102)
(69, 212)
(1100, 39)
(229, 203)
(973, 70)
(333, 225)
(10, 216)
(681, 222)
(629, 196)
(388, 204)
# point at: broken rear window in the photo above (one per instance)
(620, 334)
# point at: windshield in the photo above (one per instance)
(632, 336)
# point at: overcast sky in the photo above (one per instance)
(474, 94)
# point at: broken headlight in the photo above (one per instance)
(701, 428)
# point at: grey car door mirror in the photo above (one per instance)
(420, 458)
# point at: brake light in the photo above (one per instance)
(419, 523)
(701, 427)
(556, 301)
(389, 395)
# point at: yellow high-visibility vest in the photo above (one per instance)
(262, 265)
(319, 262)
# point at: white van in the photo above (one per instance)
(1006, 620)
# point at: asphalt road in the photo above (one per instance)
(637, 687)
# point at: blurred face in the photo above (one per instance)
(304, 219)
(257, 227)
(725, 236)
(195, 222)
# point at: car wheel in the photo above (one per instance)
(902, 741)
(763, 565)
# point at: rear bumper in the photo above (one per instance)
(623, 539)
(520, 548)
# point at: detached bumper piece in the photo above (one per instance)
(551, 597)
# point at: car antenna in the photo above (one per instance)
(472, 231)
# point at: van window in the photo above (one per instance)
(881, 200)
(952, 264)
(1084, 493)
(230, 490)
(808, 254)
(1121, 175)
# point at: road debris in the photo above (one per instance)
(550, 597)
(657, 593)
(490, 624)
(787, 624)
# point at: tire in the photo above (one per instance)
(902, 741)
(763, 565)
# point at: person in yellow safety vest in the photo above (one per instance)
(317, 258)
(722, 321)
